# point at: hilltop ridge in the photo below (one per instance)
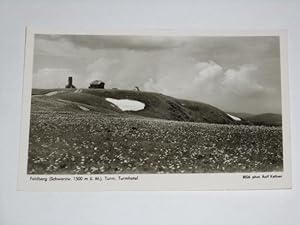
(157, 105)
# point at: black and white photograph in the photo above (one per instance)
(155, 104)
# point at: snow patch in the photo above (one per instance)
(234, 117)
(52, 93)
(127, 104)
(83, 108)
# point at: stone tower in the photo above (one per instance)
(70, 83)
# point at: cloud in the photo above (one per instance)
(59, 48)
(138, 43)
(51, 77)
(234, 74)
(208, 71)
(242, 81)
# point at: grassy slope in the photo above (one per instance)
(157, 105)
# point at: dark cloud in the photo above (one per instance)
(137, 43)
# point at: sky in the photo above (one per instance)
(235, 74)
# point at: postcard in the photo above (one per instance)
(155, 110)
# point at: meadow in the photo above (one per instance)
(99, 143)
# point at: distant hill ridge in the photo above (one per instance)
(266, 119)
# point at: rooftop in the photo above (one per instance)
(96, 82)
